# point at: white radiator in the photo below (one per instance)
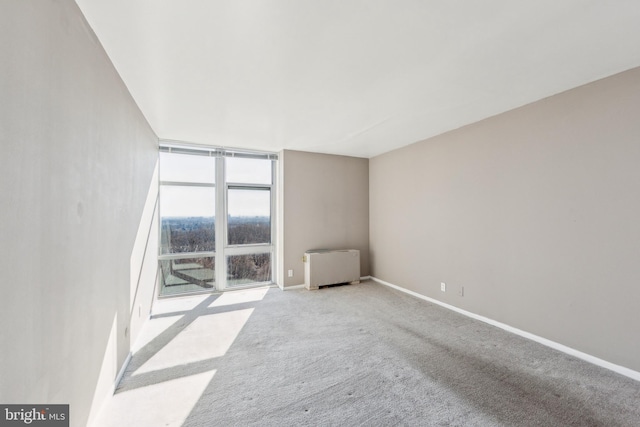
(328, 267)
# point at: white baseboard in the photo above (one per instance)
(288, 288)
(552, 344)
(121, 372)
(100, 406)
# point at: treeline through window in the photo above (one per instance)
(192, 240)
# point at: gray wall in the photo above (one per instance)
(77, 162)
(324, 204)
(535, 212)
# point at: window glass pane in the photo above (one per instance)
(187, 222)
(246, 269)
(187, 275)
(249, 216)
(187, 168)
(248, 171)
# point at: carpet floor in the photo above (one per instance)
(356, 355)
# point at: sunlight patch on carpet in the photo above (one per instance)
(239, 297)
(167, 403)
(152, 329)
(205, 338)
(178, 304)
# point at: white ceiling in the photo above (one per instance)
(353, 77)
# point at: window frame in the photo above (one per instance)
(221, 188)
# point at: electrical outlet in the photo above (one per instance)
(290, 273)
(461, 291)
(443, 287)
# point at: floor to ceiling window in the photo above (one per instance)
(216, 219)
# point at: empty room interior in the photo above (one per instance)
(172, 172)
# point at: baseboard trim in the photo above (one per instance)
(289, 288)
(121, 373)
(552, 344)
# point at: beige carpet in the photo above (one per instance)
(354, 355)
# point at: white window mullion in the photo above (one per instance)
(248, 249)
(274, 221)
(221, 225)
